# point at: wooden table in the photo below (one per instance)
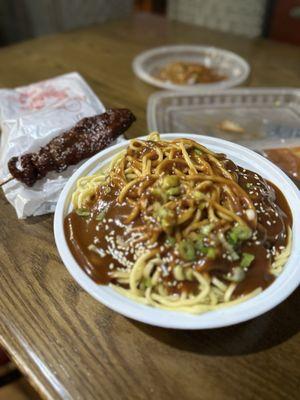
(72, 347)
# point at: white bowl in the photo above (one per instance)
(234, 67)
(269, 298)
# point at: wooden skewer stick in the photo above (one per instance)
(10, 178)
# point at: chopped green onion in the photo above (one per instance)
(238, 233)
(100, 216)
(189, 274)
(203, 249)
(198, 195)
(156, 207)
(158, 192)
(198, 242)
(165, 217)
(197, 151)
(228, 247)
(163, 212)
(206, 229)
(211, 253)
(171, 241)
(174, 191)
(106, 189)
(166, 225)
(187, 250)
(236, 275)
(202, 205)
(178, 273)
(83, 212)
(199, 245)
(246, 260)
(170, 181)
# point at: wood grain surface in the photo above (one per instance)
(72, 347)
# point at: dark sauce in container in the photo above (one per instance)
(288, 159)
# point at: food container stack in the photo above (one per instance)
(265, 120)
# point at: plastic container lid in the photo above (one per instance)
(263, 115)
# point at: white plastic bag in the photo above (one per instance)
(30, 117)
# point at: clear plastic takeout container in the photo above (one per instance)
(224, 62)
(258, 118)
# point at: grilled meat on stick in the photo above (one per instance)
(88, 137)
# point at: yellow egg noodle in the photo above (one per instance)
(211, 196)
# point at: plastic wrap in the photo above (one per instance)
(30, 117)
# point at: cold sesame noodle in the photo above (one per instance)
(174, 225)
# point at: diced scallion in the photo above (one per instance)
(165, 217)
(171, 240)
(197, 151)
(236, 275)
(211, 253)
(186, 250)
(246, 260)
(178, 273)
(164, 213)
(199, 242)
(83, 212)
(160, 193)
(228, 246)
(206, 229)
(197, 195)
(189, 274)
(170, 181)
(173, 191)
(239, 233)
(100, 216)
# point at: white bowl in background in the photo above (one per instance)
(224, 62)
(282, 287)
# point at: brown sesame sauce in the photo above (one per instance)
(288, 159)
(85, 235)
(102, 246)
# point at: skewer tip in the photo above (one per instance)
(4, 181)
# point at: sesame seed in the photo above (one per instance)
(250, 214)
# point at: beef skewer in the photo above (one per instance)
(86, 138)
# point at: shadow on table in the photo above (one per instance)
(253, 336)
(38, 219)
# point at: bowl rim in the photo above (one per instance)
(138, 69)
(278, 291)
